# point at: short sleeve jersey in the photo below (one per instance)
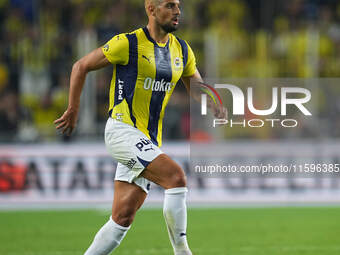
(144, 77)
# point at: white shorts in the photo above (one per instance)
(132, 149)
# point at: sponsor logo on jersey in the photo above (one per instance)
(148, 59)
(120, 89)
(162, 85)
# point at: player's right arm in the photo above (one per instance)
(116, 51)
(93, 61)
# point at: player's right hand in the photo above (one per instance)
(67, 122)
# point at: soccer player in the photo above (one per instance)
(148, 63)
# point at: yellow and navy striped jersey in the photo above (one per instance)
(144, 76)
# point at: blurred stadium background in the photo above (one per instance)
(41, 39)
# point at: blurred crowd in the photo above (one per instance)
(41, 39)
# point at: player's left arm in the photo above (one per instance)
(192, 85)
(192, 80)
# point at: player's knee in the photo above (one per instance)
(123, 220)
(178, 180)
(124, 216)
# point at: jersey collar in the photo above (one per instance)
(147, 33)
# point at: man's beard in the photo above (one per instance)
(168, 28)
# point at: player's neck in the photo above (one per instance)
(157, 33)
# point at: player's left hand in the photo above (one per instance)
(220, 112)
(67, 122)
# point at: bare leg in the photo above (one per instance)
(128, 198)
(168, 174)
(165, 172)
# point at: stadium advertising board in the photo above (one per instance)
(82, 174)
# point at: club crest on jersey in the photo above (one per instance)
(177, 63)
(154, 85)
